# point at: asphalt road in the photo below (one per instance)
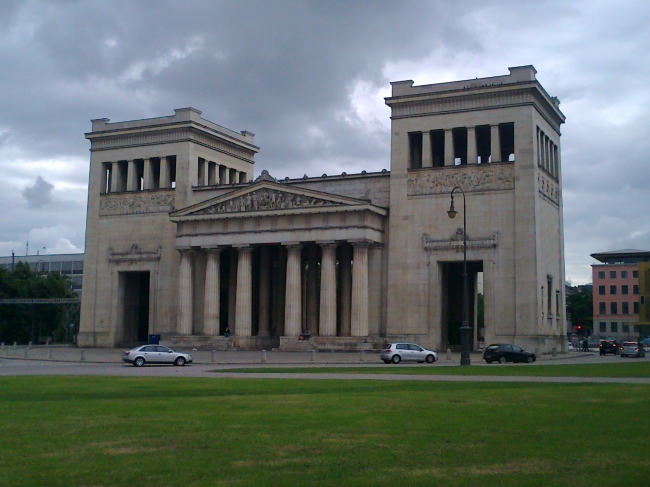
(107, 362)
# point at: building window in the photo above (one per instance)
(612, 274)
(415, 143)
(614, 327)
(624, 289)
(625, 328)
(635, 289)
(636, 307)
(625, 308)
(635, 274)
(601, 274)
(623, 274)
(603, 327)
(602, 308)
(636, 328)
(601, 290)
(612, 290)
(613, 308)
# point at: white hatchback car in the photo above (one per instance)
(408, 352)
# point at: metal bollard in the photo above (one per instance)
(2, 345)
(448, 354)
(263, 356)
(214, 356)
(26, 351)
(15, 343)
(313, 355)
(554, 352)
(83, 353)
(361, 355)
(51, 353)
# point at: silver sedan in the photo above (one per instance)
(155, 354)
(408, 352)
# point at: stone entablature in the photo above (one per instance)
(455, 243)
(471, 178)
(157, 201)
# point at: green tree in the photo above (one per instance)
(24, 322)
(580, 307)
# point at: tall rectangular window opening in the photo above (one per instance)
(636, 308)
(614, 326)
(122, 171)
(155, 173)
(212, 173)
(222, 174)
(557, 304)
(139, 174)
(200, 176)
(460, 146)
(549, 279)
(242, 177)
(507, 138)
(483, 144)
(232, 175)
(602, 308)
(415, 150)
(172, 170)
(107, 171)
(613, 308)
(603, 326)
(625, 308)
(437, 148)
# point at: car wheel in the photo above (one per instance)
(530, 360)
(139, 362)
(396, 359)
(489, 361)
(180, 361)
(502, 360)
(430, 359)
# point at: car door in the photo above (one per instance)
(506, 351)
(165, 354)
(404, 351)
(149, 353)
(417, 352)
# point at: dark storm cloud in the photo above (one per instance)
(286, 71)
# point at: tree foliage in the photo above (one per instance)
(580, 307)
(24, 322)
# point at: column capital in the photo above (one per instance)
(185, 250)
(244, 249)
(292, 245)
(360, 243)
(213, 250)
(328, 243)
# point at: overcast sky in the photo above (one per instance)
(309, 78)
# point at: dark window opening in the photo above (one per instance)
(635, 274)
(612, 290)
(460, 146)
(613, 308)
(612, 274)
(549, 291)
(614, 326)
(601, 290)
(212, 173)
(107, 171)
(635, 289)
(122, 171)
(172, 170)
(222, 174)
(602, 308)
(507, 138)
(603, 326)
(139, 174)
(636, 308)
(483, 144)
(624, 274)
(415, 150)
(155, 173)
(233, 176)
(437, 148)
(625, 308)
(242, 177)
(624, 289)
(200, 176)
(601, 274)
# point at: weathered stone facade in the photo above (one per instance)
(183, 242)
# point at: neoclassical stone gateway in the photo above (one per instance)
(183, 241)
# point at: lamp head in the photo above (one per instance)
(452, 212)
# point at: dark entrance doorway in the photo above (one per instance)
(452, 301)
(135, 289)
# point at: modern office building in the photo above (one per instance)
(71, 265)
(616, 292)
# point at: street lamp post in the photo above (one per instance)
(464, 329)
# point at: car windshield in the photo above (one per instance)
(492, 347)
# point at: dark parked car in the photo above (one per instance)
(504, 352)
(609, 346)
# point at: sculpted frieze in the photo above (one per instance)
(134, 203)
(455, 242)
(484, 177)
(266, 199)
(133, 255)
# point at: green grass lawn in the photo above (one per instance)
(625, 369)
(103, 431)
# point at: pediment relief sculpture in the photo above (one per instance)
(266, 199)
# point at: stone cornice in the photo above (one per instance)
(487, 98)
(169, 134)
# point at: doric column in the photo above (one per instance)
(495, 144)
(115, 178)
(212, 290)
(471, 145)
(131, 177)
(165, 176)
(312, 290)
(346, 289)
(244, 303)
(148, 175)
(449, 147)
(265, 291)
(359, 325)
(426, 149)
(328, 290)
(226, 175)
(293, 299)
(185, 294)
(232, 289)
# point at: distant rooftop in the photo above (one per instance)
(623, 256)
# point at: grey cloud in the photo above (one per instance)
(38, 195)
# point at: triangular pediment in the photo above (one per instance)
(267, 196)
